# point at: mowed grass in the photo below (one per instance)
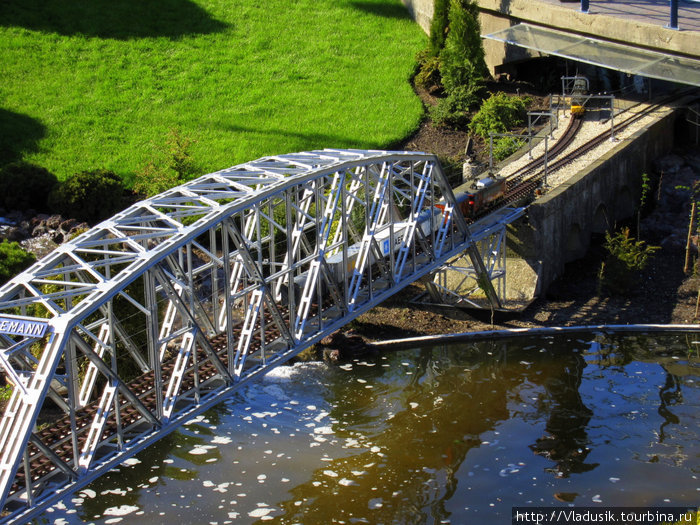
(92, 84)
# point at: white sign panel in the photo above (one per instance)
(30, 328)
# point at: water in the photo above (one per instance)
(450, 434)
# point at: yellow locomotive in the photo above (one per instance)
(578, 96)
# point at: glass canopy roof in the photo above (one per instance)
(620, 57)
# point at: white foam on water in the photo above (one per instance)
(320, 416)
(260, 512)
(323, 430)
(330, 473)
(117, 492)
(222, 440)
(131, 461)
(122, 510)
(346, 482)
(88, 493)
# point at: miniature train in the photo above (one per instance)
(578, 96)
(475, 196)
(472, 198)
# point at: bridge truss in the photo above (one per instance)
(128, 330)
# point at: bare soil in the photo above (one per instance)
(664, 294)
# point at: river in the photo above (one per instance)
(444, 434)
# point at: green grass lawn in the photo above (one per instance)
(91, 84)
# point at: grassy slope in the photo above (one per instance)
(88, 84)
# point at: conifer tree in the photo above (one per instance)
(462, 60)
(438, 27)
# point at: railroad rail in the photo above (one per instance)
(524, 182)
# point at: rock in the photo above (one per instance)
(17, 233)
(67, 225)
(39, 230)
(54, 222)
(57, 237)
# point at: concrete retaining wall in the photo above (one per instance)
(421, 11)
(560, 224)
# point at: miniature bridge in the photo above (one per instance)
(133, 327)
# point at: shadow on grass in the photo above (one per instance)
(382, 8)
(18, 134)
(303, 141)
(119, 20)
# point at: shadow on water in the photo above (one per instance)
(19, 134)
(103, 19)
(466, 391)
(385, 9)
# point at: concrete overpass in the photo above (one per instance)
(641, 25)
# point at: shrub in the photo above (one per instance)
(26, 186)
(498, 114)
(453, 110)
(626, 258)
(13, 259)
(173, 165)
(89, 196)
(504, 147)
(428, 75)
(462, 59)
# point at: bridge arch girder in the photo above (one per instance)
(158, 312)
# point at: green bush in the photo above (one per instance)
(428, 75)
(13, 259)
(172, 165)
(504, 147)
(25, 186)
(89, 196)
(462, 59)
(626, 259)
(498, 114)
(453, 110)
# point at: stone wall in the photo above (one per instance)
(421, 11)
(560, 224)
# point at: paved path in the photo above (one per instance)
(649, 11)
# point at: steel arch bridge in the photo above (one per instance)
(128, 330)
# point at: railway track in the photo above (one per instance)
(58, 436)
(523, 183)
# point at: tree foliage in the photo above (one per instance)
(462, 59)
(438, 27)
(89, 196)
(172, 165)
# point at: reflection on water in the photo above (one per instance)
(445, 434)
